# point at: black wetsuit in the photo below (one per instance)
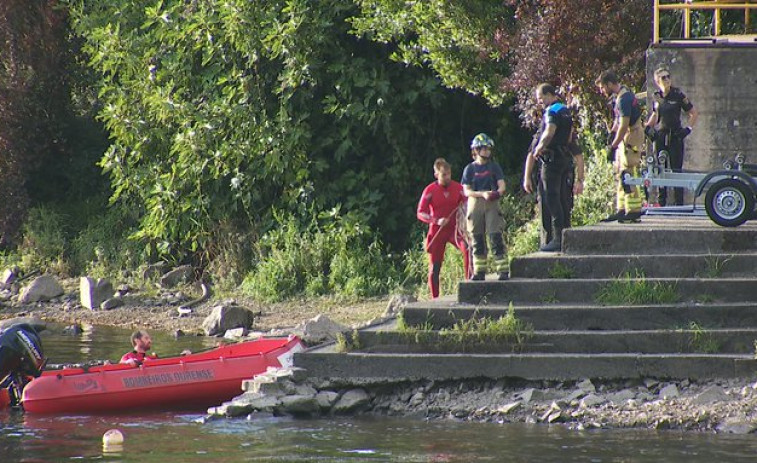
(670, 134)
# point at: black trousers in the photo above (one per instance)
(555, 196)
(674, 146)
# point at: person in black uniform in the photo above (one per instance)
(554, 151)
(664, 126)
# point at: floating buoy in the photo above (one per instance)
(113, 437)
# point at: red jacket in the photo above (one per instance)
(438, 202)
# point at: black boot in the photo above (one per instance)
(553, 246)
(619, 215)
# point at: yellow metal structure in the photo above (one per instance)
(716, 6)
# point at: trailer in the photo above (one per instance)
(729, 193)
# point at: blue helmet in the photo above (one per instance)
(482, 139)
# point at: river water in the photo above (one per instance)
(171, 437)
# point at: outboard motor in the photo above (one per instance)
(21, 357)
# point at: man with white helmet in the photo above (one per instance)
(484, 183)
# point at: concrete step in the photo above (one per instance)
(660, 235)
(323, 363)
(540, 291)
(445, 313)
(550, 265)
(735, 341)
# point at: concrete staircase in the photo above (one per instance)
(709, 331)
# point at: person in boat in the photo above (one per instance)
(438, 207)
(142, 343)
(20, 352)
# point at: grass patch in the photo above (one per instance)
(485, 330)
(348, 343)
(714, 265)
(702, 340)
(636, 290)
(561, 271)
(471, 333)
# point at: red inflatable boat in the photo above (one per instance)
(191, 382)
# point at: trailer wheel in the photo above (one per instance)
(729, 202)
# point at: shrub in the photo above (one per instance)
(44, 240)
(334, 256)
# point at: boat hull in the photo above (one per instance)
(192, 382)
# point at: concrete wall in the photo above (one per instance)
(721, 81)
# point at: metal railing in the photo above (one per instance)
(687, 6)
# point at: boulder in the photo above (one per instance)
(300, 405)
(9, 276)
(42, 288)
(235, 333)
(177, 276)
(94, 292)
(225, 317)
(352, 400)
(669, 392)
(111, 303)
(710, 395)
(326, 399)
(321, 328)
(397, 303)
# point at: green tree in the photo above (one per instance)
(225, 110)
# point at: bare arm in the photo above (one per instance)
(578, 185)
(693, 115)
(528, 171)
(625, 122)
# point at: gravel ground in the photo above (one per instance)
(158, 310)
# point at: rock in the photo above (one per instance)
(737, 427)
(507, 408)
(592, 400)
(73, 329)
(177, 276)
(235, 333)
(587, 386)
(153, 271)
(669, 392)
(530, 394)
(43, 288)
(9, 276)
(575, 395)
(112, 303)
(5, 295)
(178, 334)
(621, 397)
(321, 328)
(93, 293)
(223, 318)
(397, 303)
(710, 395)
(300, 405)
(650, 383)
(326, 399)
(351, 400)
